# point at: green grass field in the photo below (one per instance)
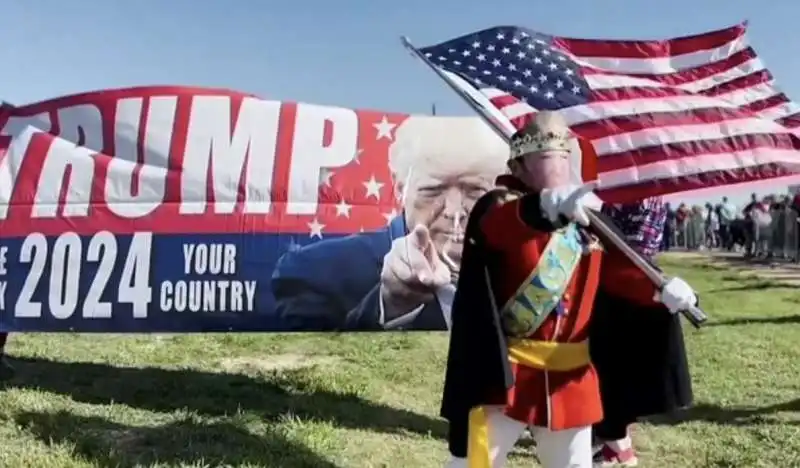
(370, 400)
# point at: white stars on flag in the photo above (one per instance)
(384, 128)
(351, 196)
(343, 209)
(315, 228)
(373, 187)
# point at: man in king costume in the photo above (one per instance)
(519, 352)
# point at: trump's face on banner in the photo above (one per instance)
(441, 166)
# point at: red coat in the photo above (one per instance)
(557, 400)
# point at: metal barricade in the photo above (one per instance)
(780, 239)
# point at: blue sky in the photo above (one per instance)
(344, 53)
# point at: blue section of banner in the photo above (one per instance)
(197, 283)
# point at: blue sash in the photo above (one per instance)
(541, 293)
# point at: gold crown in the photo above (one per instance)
(547, 132)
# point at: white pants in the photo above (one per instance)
(569, 448)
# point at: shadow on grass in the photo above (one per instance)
(112, 445)
(777, 283)
(293, 392)
(785, 320)
(726, 416)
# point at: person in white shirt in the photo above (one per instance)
(712, 227)
(728, 213)
(762, 220)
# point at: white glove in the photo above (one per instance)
(677, 295)
(412, 272)
(572, 201)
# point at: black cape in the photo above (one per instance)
(641, 361)
(478, 372)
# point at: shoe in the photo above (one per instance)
(608, 457)
(6, 369)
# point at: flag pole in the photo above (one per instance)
(503, 131)
(694, 315)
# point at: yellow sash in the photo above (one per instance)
(541, 292)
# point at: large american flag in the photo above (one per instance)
(663, 116)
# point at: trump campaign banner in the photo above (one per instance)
(187, 210)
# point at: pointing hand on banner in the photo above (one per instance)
(412, 272)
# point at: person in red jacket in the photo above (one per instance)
(519, 353)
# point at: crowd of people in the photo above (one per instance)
(766, 227)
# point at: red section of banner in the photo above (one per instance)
(193, 160)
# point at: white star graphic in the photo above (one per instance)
(316, 229)
(384, 128)
(343, 209)
(361, 229)
(390, 216)
(325, 175)
(373, 187)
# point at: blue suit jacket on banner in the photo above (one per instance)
(335, 284)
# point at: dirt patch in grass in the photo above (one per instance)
(275, 362)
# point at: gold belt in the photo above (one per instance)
(549, 355)
(545, 355)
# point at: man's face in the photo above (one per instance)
(546, 169)
(441, 194)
